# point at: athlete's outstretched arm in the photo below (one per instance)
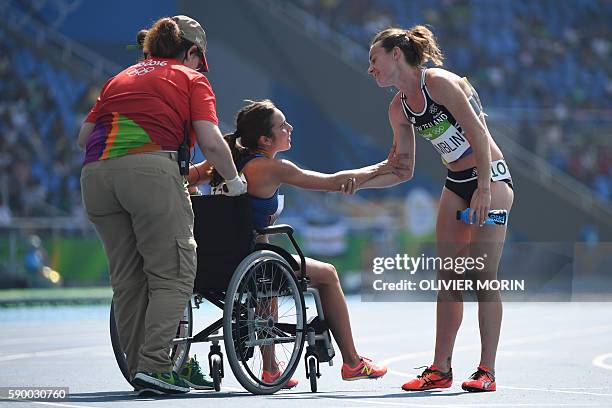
(401, 156)
(286, 172)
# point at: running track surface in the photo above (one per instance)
(550, 355)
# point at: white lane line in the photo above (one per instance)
(45, 339)
(381, 338)
(399, 404)
(424, 354)
(102, 353)
(235, 389)
(528, 404)
(400, 373)
(90, 406)
(560, 391)
(53, 353)
(464, 404)
(599, 361)
(531, 353)
(57, 404)
(540, 338)
(558, 335)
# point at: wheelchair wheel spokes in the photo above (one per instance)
(271, 347)
(266, 329)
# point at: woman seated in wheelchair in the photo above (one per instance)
(262, 131)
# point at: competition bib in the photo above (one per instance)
(499, 170)
(447, 139)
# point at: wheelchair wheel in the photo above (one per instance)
(178, 353)
(216, 372)
(263, 322)
(312, 373)
(117, 351)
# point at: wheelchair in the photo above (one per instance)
(261, 291)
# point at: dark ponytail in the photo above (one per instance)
(418, 44)
(140, 39)
(252, 121)
(238, 151)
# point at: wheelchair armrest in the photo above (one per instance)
(275, 229)
(288, 230)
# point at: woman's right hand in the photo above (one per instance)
(235, 187)
(395, 165)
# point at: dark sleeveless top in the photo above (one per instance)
(265, 210)
(436, 124)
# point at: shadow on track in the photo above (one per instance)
(110, 396)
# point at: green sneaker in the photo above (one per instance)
(168, 383)
(193, 375)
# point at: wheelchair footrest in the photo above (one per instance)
(323, 347)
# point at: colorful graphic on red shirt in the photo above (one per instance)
(134, 139)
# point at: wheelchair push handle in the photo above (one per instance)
(275, 229)
(287, 230)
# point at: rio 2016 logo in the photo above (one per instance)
(145, 67)
(139, 71)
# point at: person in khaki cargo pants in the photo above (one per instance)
(136, 198)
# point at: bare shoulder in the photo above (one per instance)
(269, 168)
(396, 112)
(443, 84)
(263, 175)
(284, 164)
(261, 164)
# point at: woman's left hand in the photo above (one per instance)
(480, 205)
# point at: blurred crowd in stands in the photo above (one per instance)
(40, 111)
(545, 66)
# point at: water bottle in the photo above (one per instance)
(495, 217)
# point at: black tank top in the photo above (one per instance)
(436, 124)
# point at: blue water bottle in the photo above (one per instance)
(495, 217)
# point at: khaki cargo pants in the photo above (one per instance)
(141, 210)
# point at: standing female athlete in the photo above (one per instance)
(261, 132)
(444, 109)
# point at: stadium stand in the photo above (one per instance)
(548, 68)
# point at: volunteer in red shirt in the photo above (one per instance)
(137, 199)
